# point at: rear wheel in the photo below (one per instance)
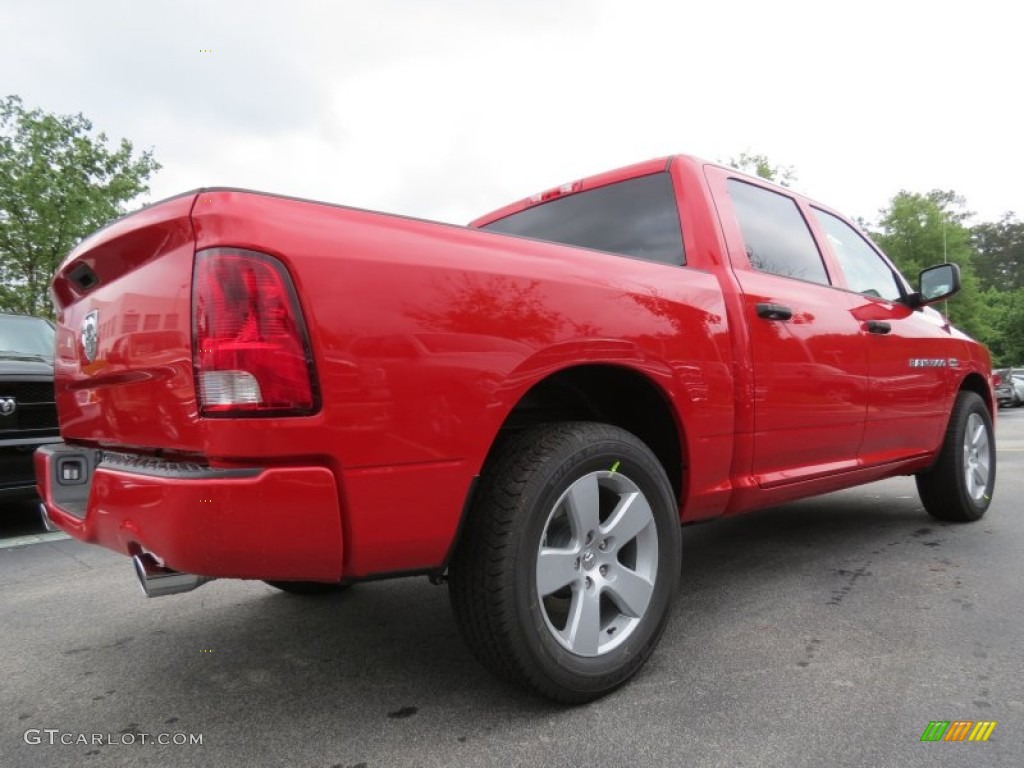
(958, 487)
(307, 587)
(569, 562)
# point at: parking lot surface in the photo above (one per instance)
(828, 632)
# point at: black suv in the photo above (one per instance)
(28, 414)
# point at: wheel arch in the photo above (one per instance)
(975, 382)
(593, 392)
(610, 394)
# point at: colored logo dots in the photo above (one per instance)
(958, 730)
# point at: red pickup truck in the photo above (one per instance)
(257, 387)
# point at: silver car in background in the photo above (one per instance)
(1009, 386)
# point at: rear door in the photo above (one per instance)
(806, 346)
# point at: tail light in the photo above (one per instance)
(996, 379)
(251, 351)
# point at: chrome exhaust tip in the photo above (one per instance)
(48, 524)
(157, 581)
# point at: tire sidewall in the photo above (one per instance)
(974, 405)
(600, 672)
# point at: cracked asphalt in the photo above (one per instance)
(827, 632)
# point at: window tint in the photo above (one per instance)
(637, 217)
(864, 269)
(775, 234)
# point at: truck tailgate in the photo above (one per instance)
(123, 364)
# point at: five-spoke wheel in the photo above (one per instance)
(566, 570)
(597, 563)
(958, 487)
(977, 458)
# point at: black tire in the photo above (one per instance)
(958, 487)
(531, 497)
(308, 588)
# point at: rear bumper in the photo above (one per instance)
(253, 523)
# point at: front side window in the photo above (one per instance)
(636, 217)
(776, 237)
(865, 270)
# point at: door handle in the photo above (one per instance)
(878, 326)
(774, 311)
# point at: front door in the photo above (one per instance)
(911, 373)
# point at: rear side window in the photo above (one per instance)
(637, 217)
(776, 237)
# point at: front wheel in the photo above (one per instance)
(958, 487)
(569, 562)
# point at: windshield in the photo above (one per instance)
(26, 335)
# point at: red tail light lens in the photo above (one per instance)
(251, 351)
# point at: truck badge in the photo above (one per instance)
(8, 405)
(90, 335)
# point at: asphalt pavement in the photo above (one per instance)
(828, 632)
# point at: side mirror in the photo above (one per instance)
(938, 282)
(935, 284)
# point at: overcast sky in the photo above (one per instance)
(447, 109)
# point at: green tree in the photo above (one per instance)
(919, 230)
(1000, 247)
(58, 183)
(760, 165)
(1007, 308)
